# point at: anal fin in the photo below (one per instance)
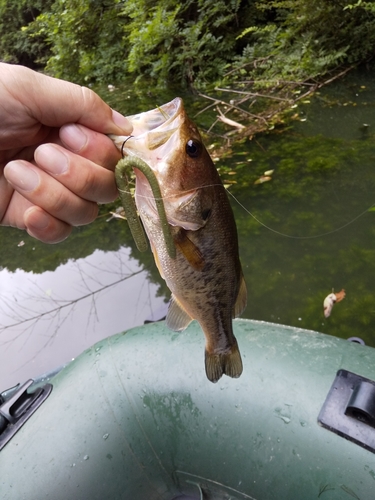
(177, 318)
(241, 300)
(229, 363)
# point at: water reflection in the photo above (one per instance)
(47, 319)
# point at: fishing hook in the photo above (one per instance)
(122, 170)
(123, 144)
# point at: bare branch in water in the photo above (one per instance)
(267, 109)
(14, 308)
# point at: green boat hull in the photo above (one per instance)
(134, 417)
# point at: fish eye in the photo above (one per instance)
(193, 148)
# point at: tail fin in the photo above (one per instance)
(228, 363)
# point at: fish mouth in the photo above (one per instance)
(155, 133)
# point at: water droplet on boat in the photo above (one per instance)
(86, 457)
(105, 436)
(285, 419)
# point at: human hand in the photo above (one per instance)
(56, 162)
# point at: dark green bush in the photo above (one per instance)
(15, 44)
(195, 42)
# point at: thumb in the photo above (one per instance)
(55, 102)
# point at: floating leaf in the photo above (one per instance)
(262, 179)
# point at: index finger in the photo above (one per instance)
(54, 102)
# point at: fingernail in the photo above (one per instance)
(122, 122)
(73, 137)
(51, 159)
(21, 176)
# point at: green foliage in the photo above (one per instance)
(304, 40)
(15, 45)
(193, 41)
(85, 38)
(164, 40)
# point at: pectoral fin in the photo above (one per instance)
(241, 301)
(177, 318)
(190, 251)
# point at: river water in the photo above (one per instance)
(308, 230)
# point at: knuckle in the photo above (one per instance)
(89, 98)
(96, 185)
(89, 214)
(87, 184)
(59, 203)
(75, 212)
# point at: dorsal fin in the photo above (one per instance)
(177, 318)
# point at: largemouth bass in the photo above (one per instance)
(205, 277)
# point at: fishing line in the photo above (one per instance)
(299, 237)
(320, 235)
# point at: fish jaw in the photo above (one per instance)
(154, 134)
